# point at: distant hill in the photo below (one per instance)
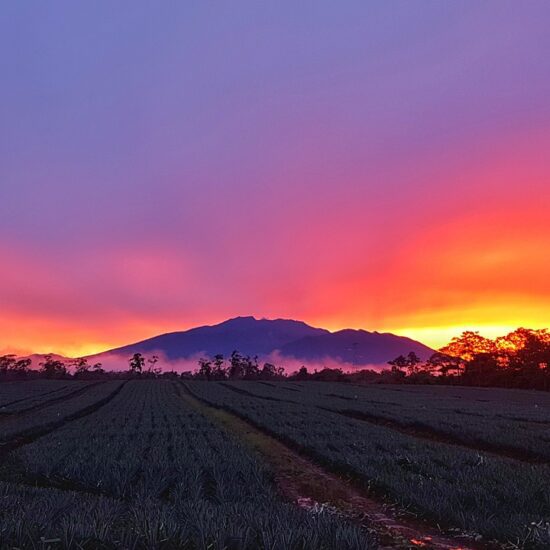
(286, 337)
(357, 347)
(246, 334)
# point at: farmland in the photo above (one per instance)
(506, 421)
(171, 464)
(463, 487)
(145, 470)
(19, 396)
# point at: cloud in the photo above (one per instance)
(387, 178)
(292, 364)
(120, 362)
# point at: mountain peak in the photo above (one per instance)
(239, 318)
(247, 334)
(355, 347)
(289, 338)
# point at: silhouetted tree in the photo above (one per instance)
(406, 365)
(398, 366)
(52, 368)
(251, 370)
(527, 358)
(7, 362)
(81, 367)
(11, 367)
(519, 359)
(467, 345)
(152, 362)
(413, 363)
(446, 366)
(483, 370)
(21, 368)
(219, 372)
(205, 369)
(236, 365)
(301, 374)
(97, 369)
(271, 372)
(137, 361)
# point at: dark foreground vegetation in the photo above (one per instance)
(468, 459)
(141, 469)
(131, 464)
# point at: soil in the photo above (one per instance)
(316, 489)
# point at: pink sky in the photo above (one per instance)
(382, 166)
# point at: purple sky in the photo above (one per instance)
(173, 163)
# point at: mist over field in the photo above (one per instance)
(119, 362)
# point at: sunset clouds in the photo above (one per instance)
(374, 166)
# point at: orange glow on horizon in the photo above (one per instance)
(76, 345)
(356, 168)
(474, 258)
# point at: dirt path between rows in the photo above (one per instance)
(314, 488)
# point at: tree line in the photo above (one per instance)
(12, 367)
(237, 366)
(520, 359)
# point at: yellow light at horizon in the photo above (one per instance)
(78, 350)
(437, 337)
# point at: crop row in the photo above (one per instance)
(497, 497)
(168, 478)
(467, 415)
(34, 423)
(17, 396)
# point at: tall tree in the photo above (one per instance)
(236, 367)
(136, 363)
(219, 372)
(205, 369)
(52, 368)
(468, 344)
(7, 363)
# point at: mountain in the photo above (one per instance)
(246, 334)
(357, 347)
(289, 338)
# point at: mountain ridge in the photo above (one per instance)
(288, 338)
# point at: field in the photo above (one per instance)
(174, 464)
(21, 396)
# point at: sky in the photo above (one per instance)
(379, 165)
